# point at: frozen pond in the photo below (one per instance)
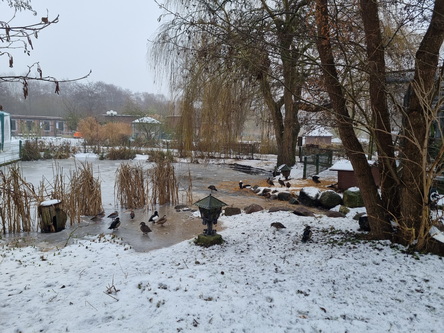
(181, 225)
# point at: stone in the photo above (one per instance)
(330, 199)
(344, 210)
(208, 240)
(332, 213)
(309, 196)
(230, 211)
(284, 196)
(302, 211)
(253, 208)
(353, 198)
(293, 201)
(279, 209)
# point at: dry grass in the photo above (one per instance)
(131, 186)
(164, 183)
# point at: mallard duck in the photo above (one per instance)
(270, 182)
(115, 224)
(154, 217)
(98, 216)
(315, 179)
(113, 215)
(281, 182)
(306, 235)
(144, 228)
(278, 225)
(132, 214)
(162, 220)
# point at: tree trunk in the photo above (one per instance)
(417, 119)
(355, 151)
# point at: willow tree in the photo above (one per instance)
(407, 170)
(261, 44)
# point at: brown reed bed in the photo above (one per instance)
(163, 183)
(131, 186)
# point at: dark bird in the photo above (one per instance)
(162, 220)
(154, 217)
(115, 224)
(113, 215)
(270, 182)
(132, 214)
(306, 235)
(144, 228)
(281, 182)
(316, 179)
(241, 185)
(278, 225)
(288, 184)
(212, 188)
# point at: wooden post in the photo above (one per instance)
(52, 217)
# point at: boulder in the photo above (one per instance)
(253, 208)
(309, 196)
(230, 211)
(284, 196)
(332, 213)
(352, 198)
(279, 209)
(302, 211)
(330, 199)
(293, 201)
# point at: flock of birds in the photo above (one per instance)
(115, 224)
(306, 235)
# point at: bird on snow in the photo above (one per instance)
(306, 235)
(281, 182)
(115, 224)
(288, 184)
(113, 215)
(241, 185)
(278, 225)
(144, 228)
(315, 179)
(162, 220)
(154, 217)
(132, 214)
(270, 182)
(212, 188)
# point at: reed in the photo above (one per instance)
(163, 183)
(131, 186)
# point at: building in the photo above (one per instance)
(30, 125)
(147, 128)
(346, 174)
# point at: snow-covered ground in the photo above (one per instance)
(259, 280)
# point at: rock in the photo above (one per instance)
(330, 199)
(352, 198)
(284, 196)
(309, 196)
(230, 211)
(293, 201)
(208, 240)
(332, 213)
(302, 211)
(344, 210)
(253, 208)
(279, 209)
(180, 207)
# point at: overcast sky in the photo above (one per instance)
(109, 37)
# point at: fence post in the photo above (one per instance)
(317, 163)
(304, 174)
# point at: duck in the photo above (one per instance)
(270, 182)
(278, 225)
(144, 228)
(281, 182)
(288, 184)
(98, 216)
(162, 220)
(315, 179)
(306, 235)
(113, 215)
(154, 217)
(212, 188)
(115, 224)
(242, 186)
(132, 214)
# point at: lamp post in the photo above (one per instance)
(210, 209)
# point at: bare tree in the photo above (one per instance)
(404, 198)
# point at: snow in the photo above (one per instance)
(147, 120)
(259, 280)
(50, 202)
(312, 192)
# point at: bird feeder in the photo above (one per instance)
(52, 217)
(285, 170)
(210, 209)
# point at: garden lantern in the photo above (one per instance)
(210, 209)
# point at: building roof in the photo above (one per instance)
(146, 120)
(345, 165)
